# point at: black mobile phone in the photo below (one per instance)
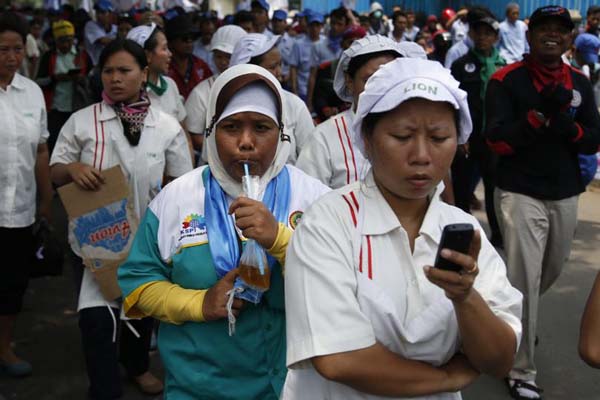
(455, 237)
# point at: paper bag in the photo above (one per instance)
(104, 225)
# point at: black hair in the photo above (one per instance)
(358, 61)
(340, 13)
(129, 46)
(151, 43)
(370, 122)
(397, 14)
(243, 16)
(10, 21)
(592, 10)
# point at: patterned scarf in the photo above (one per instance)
(132, 115)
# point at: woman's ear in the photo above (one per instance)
(145, 75)
(367, 144)
(349, 82)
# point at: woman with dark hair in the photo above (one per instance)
(24, 156)
(123, 129)
(183, 265)
(369, 317)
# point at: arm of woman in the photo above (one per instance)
(488, 341)
(589, 337)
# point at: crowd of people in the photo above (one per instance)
(340, 146)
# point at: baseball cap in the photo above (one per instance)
(316, 17)
(252, 45)
(489, 21)
(588, 46)
(407, 78)
(104, 5)
(226, 37)
(260, 3)
(62, 28)
(280, 15)
(558, 12)
(305, 13)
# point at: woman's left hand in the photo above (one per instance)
(458, 286)
(255, 221)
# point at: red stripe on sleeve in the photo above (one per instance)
(579, 132)
(500, 148)
(360, 259)
(344, 150)
(354, 201)
(502, 72)
(351, 209)
(103, 141)
(351, 148)
(370, 256)
(95, 126)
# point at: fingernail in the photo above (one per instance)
(426, 269)
(446, 253)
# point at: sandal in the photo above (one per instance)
(523, 390)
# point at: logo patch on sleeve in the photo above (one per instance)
(295, 218)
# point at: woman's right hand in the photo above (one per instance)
(460, 372)
(215, 300)
(85, 176)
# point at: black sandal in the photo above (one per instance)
(517, 384)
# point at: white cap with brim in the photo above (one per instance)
(226, 37)
(254, 97)
(140, 34)
(408, 78)
(368, 44)
(412, 50)
(252, 45)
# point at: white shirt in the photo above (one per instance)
(170, 102)
(330, 156)
(296, 115)
(459, 30)
(94, 136)
(352, 280)
(92, 32)
(23, 127)
(513, 41)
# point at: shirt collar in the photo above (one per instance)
(379, 218)
(18, 82)
(106, 112)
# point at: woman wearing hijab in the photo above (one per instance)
(183, 265)
(125, 130)
(371, 318)
(258, 49)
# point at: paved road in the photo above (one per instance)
(48, 335)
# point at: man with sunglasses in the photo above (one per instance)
(100, 32)
(540, 115)
(186, 69)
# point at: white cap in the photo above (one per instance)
(411, 50)
(254, 97)
(375, 6)
(226, 37)
(368, 44)
(407, 78)
(252, 45)
(141, 33)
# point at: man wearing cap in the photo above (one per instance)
(301, 57)
(260, 11)
(279, 27)
(587, 47)
(100, 32)
(59, 71)
(377, 25)
(540, 115)
(186, 69)
(513, 35)
(473, 71)
(196, 105)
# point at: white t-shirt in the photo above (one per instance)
(94, 136)
(170, 102)
(331, 156)
(23, 127)
(352, 280)
(196, 106)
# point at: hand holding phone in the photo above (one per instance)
(456, 237)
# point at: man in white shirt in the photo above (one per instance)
(399, 22)
(99, 33)
(513, 36)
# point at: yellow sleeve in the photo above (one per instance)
(165, 301)
(279, 248)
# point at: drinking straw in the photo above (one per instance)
(261, 266)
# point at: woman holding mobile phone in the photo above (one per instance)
(371, 318)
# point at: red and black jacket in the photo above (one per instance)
(534, 160)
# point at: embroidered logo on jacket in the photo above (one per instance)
(193, 225)
(295, 218)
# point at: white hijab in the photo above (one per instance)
(231, 186)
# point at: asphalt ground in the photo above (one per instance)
(48, 336)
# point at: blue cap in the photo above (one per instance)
(280, 14)
(260, 3)
(316, 17)
(104, 5)
(588, 46)
(305, 13)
